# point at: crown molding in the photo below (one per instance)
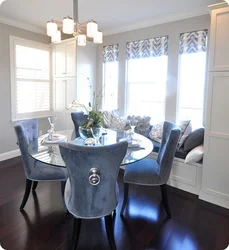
(107, 32)
(218, 6)
(153, 22)
(22, 25)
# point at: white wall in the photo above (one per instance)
(7, 136)
(173, 30)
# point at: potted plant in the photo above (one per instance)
(95, 118)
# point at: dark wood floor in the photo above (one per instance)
(194, 225)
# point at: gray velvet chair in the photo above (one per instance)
(91, 191)
(27, 131)
(150, 172)
(78, 118)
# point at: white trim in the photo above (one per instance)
(107, 32)
(217, 200)
(153, 22)
(32, 44)
(9, 155)
(217, 6)
(22, 25)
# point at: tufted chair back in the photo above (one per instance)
(170, 136)
(78, 118)
(26, 131)
(87, 200)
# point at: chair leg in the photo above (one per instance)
(110, 231)
(75, 233)
(126, 191)
(67, 214)
(34, 185)
(165, 199)
(26, 194)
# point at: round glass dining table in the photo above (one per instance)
(49, 153)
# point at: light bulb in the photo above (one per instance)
(51, 28)
(92, 29)
(57, 37)
(81, 40)
(98, 38)
(1, 1)
(68, 25)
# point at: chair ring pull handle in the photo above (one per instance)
(94, 176)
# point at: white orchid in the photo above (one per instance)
(76, 104)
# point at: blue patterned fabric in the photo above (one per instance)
(27, 131)
(83, 199)
(150, 172)
(153, 47)
(193, 42)
(110, 53)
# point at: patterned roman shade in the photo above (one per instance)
(153, 47)
(110, 53)
(193, 42)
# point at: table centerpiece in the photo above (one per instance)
(95, 122)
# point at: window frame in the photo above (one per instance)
(104, 82)
(177, 114)
(105, 86)
(179, 92)
(128, 83)
(13, 79)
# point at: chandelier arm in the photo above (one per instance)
(85, 30)
(57, 22)
(75, 11)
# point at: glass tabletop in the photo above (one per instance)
(49, 152)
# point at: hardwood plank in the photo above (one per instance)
(195, 225)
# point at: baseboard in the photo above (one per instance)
(214, 199)
(9, 155)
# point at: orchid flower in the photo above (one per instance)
(77, 104)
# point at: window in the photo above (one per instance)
(110, 77)
(146, 78)
(193, 47)
(30, 79)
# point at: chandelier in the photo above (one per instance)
(81, 31)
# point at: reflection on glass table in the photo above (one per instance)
(50, 154)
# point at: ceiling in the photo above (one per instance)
(112, 16)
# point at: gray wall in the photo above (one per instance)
(173, 30)
(7, 136)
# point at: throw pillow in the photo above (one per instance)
(114, 121)
(186, 129)
(195, 155)
(181, 141)
(194, 139)
(156, 132)
(143, 124)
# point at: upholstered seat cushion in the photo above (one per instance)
(45, 172)
(144, 172)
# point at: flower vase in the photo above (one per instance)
(85, 133)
